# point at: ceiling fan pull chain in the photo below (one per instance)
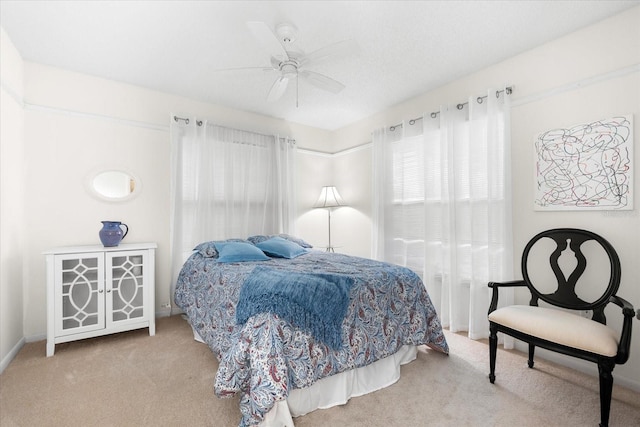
(297, 87)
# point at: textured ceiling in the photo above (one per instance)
(405, 48)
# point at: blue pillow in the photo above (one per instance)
(258, 238)
(239, 252)
(261, 238)
(297, 240)
(281, 248)
(209, 250)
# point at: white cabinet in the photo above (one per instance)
(94, 290)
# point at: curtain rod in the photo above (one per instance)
(199, 123)
(508, 90)
(186, 121)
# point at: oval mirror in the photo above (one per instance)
(114, 185)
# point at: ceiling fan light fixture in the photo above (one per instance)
(289, 70)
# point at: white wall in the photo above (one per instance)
(315, 170)
(350, 172)
(589, 75)
(352, 224)
(11, 200)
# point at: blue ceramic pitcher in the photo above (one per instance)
(111, 233)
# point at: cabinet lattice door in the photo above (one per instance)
(79, 295)
(125, 274)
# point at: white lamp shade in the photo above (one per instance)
(329, 198)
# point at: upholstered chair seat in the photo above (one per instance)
(559, 327)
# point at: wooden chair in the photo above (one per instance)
(554, 327)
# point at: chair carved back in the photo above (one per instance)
(565, 294)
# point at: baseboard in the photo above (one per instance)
(11, 355)
(169, 311)
(165, 312)
(35, 338)
(580, 365)
(626, 382)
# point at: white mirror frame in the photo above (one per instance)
(90, 187)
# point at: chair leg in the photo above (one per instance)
(493, 348)
(532, 349)
(606, 387)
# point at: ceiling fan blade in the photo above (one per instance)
(267, 39)
(245, 69)
(275, 63)
(322, 81)
(278, 88)
(343, 48)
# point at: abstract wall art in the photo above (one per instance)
(585, 167)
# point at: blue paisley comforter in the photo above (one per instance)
(267, 356)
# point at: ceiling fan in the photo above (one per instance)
(291, 63)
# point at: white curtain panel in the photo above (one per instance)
(227, 183)
(442, 206)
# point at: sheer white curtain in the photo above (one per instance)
(442, 205)
(227, 183)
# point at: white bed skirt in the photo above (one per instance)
(337, 389)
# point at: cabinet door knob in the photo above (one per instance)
(101, 291)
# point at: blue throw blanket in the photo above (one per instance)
(316, 302)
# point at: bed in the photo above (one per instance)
(373, 318)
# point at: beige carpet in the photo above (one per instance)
(132, 379)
